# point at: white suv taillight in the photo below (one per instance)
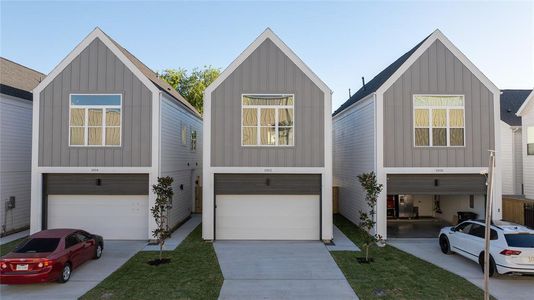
(508, 252)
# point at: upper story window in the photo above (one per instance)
(95, 120)
(193, 140)
(439, 121)
(267, 120)
(530, 140)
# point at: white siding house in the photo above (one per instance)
(526, 112)
(16, 83)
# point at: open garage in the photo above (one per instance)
(419, 205)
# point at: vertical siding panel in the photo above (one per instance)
(119, 86)
(127, 122)
(56, 123)
(136, 123)
(468, 91)
(458, 89)
(75, 86)
(408, 118)
(64, 125)
(416, 89)
(389, 114)
(441, 67)
(398, 137)
(477, 139)
(110, 86)
(433, 68)
(484, 126)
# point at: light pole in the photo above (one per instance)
(487, 234)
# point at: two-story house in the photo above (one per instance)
(267, 148)
(16, 85)
(105, 127)
(424, 125)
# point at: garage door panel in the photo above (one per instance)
(113, 217)
(268, 217)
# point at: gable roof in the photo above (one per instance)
(388, 77)
(511, 101)
(373, 85)
(268, 34)
(145, 74)
(17, 80)
(525, 104)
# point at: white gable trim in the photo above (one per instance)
(96, 33)
(438, 35)
(268, 34)
(523, 109)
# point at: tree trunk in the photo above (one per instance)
(367, 253)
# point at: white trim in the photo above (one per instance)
(430, 120)
(36, 177)
(263, 170)
(258, 120)
(268, 34)
(94, 170)
(86, 120)
(327, 221)
(437, 35)
(96, 33)
(522, 110)
(436, 170)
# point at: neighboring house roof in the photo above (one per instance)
(373, 85)
(152, 76)
(511, 101)
(385, 79)
(17, 80)
(523, 107)
(145, 74)
(268, 34)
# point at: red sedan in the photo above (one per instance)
(49, 255)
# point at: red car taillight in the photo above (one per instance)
(45, 263)
(508, 252)
(3, 265)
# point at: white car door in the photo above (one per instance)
(460, 238)
(475, 241)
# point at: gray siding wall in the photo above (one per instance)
(267, 184)
(267, 70)
(86, 184)
(95, 70)
(15, 161)
(437, 71)
(177, 160)
(354, 154)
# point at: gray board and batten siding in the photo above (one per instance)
(438, 72)
(96, 70)
(97, 184)
(436, 184)
(267, 71)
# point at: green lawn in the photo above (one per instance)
(397, 274)
(193, 273)
(6, 248)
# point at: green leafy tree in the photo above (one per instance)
(367, 219)
(191, 85)
(164, 193)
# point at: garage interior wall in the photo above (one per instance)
(451, 204)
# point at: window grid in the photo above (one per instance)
(103, 126)
(430, 112)
(276, 126)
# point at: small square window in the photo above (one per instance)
(184, 135)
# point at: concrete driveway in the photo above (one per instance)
(503, 287)
(87, 276)
(280, 270)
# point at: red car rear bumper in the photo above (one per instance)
(13, 278)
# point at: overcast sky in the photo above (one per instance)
(340, 41)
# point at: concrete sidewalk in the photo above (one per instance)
(280, 270)
(14, 236)
(341, 242)
(178, 235)
(502, 287)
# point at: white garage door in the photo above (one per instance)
(267, 217)
(113, 217)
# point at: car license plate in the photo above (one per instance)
(22, 268)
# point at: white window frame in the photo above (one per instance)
(258, 126)
(430, 116)
(193, 145)
(529, 128)
(86, 120)
(183, 134)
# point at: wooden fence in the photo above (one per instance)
(520, 211)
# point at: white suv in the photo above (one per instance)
(511, 245)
